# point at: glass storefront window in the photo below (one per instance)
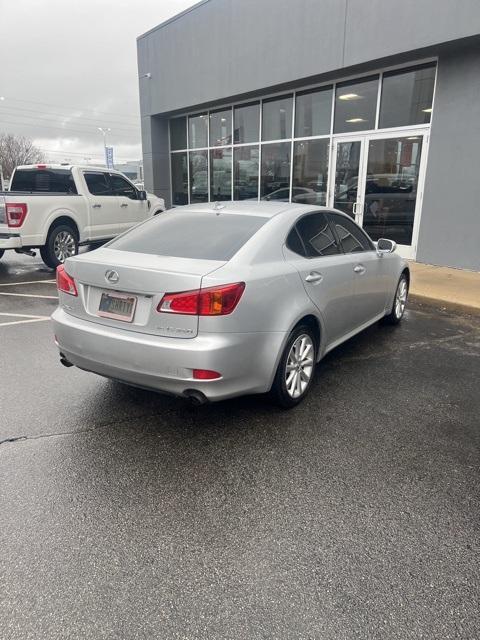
(245, 172)
(179, 178)
(220, 127)
(221, 174)
(391, 188)
(246, 122)
(178, 133)
(198, 176)
(355, 105)
(310, 172)
(407, 97)
(277, 118)
(275, 178)
(198, 131)
(313, 112)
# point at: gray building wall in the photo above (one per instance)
(221, 50)
(450, 223)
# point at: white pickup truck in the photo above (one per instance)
(56, 208)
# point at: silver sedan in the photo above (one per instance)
(210, 301)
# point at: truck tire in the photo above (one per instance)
(62, 243)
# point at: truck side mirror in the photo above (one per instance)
(142, 195)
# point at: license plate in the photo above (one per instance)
(118, 306)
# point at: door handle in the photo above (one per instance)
(359, 268)
(314, 277)
(124, 204)
(96, 206)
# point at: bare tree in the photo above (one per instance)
(16, 150)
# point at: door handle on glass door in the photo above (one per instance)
(359, 268)
(314, 277)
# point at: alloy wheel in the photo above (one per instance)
(64, 246)
(299, 367)
(401, 298)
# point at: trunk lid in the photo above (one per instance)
(144, 277)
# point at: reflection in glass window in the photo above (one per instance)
(317, 236)
(245, 172)
(220, 127)
(352, 238)
(198, 176)
(221, 174)
(275, 179)
(407, 97)
(356, 105)
(310, 172)
(277, 118)
(179, 178)
(313, 112)
(198, 131)
(391, 188)
(178, 133)
(247, 122)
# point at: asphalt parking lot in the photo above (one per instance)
(126, 514)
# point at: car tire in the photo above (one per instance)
(62, 243)
(399, 302)
(2, 251)
(296, 368)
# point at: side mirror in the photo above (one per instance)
(385, 246)
(142, 195)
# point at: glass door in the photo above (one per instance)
(393, 187)
(348, 176)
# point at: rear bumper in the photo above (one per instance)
(10, 240)
(247, 361)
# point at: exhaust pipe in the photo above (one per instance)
(64, 361)
(196, 398)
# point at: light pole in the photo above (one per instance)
(104, 133)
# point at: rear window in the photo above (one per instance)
(203, 236)
(43, 181)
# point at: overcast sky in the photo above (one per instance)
(70, 66)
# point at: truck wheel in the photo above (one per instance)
(62, 243)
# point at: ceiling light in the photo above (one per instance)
(429, 110)
(356, 120)
(349, 96)
(412, 138)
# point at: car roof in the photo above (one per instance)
(265, 209)
(67, 166)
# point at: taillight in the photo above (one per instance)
(205, 374)
(65, 282)
(212, 301)
(16, 213)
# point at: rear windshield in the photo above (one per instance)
(43, 181)
(204, 236)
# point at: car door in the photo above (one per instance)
(132, 210)
(326, 272)
(103, 205)
(369, 273)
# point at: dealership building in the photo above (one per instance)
(371, 107)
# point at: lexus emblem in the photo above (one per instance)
(111, 276)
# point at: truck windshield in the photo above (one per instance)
(202, 236)
(38, 180)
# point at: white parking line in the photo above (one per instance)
(28, 295)
(22, 315)
(16, 284)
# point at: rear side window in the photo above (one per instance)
(317, 236)
(353, 239)
(202, 236)
(43, 181)
(97, 183)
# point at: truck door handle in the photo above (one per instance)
(359, 268)
(124, 204)
(96, 206)
(314, 277)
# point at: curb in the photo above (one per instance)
(440, 303)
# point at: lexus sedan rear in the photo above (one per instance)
(214, 301)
